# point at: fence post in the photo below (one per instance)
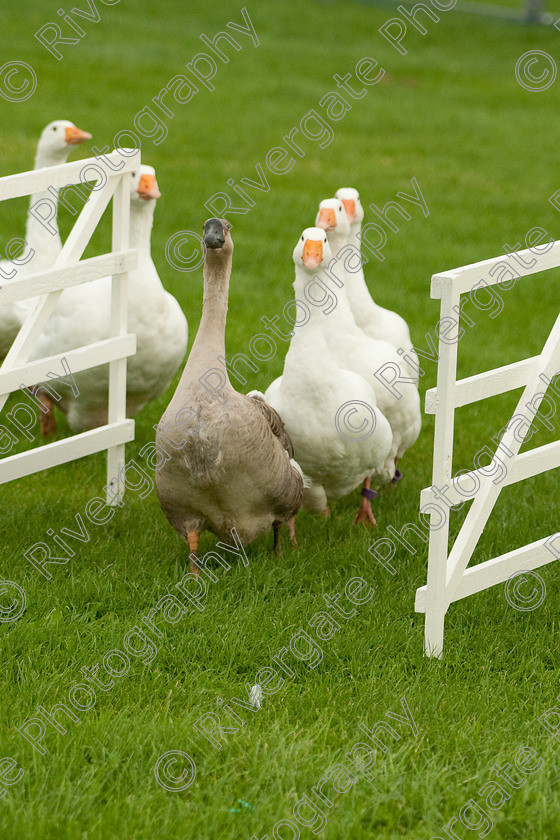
(119, 320)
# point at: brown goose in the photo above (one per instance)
(228, 458)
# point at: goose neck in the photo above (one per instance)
(337, 241)
(309, 290)
(141, 223)
(355, 229)
(42, 226)
(210, 338)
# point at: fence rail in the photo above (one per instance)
(448, 578)
(69, 270)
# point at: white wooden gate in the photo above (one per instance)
(68, 271)
(448, 577)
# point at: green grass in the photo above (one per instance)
(451, 114)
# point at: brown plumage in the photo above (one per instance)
(229, 458)
(276, 422)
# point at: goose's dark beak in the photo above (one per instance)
(213, 233)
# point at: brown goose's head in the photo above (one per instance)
(216, 236)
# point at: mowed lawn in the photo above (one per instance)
(484, 152)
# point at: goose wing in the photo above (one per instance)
(275, 422)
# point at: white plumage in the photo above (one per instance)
(374, 320)
(313, 391)
(82, 316)
(355, 350)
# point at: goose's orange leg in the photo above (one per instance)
(292, 527)
(193, 538)
(365, 513)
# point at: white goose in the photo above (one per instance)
(54, 147)
(315, 396)
(231, 467)
(374, 320)
(82, 316)
(355, 350)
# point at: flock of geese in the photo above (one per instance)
(244, 462)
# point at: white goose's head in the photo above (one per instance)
(313, 249)
(352, 204)
(143, 185)
(332, 217)
(58, 138)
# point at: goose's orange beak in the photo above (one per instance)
(326, 218)
(148, 188)
(76, 135)
(350, 207)
(312, 254)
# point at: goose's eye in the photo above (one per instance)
(133, 174)
(325, 239)
(55, 128)
(302, 238)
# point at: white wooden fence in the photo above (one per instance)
(448, 577)
(68, 270)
